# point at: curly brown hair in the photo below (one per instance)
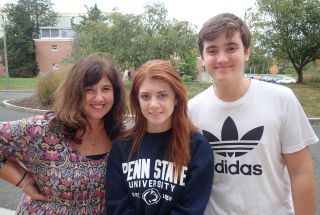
(68, 107)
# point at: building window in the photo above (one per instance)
(54, 32)
(55, 66)
(45, 32)
(54, 48)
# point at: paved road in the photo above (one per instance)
(9, 195)
(7, 114)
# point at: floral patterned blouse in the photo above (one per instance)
(74, 183)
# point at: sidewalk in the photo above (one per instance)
(4, 211)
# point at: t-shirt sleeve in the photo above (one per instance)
(296, 132)
(117, 193)
(14, 140)
(199, 179)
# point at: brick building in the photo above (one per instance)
(54, 43)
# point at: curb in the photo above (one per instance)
(5, 211)
(6, 104)
(314, 121)
(14, 91)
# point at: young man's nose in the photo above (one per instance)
(222, 57)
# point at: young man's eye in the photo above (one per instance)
(232, 49)
(211, 51)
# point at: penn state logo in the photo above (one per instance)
(151, 196)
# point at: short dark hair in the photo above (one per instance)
(224, 22)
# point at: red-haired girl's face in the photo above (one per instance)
(157, 101)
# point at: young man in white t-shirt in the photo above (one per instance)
(258, 131)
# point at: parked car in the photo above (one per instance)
(286, 80)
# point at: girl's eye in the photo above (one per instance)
(88, 89)
(162, 95)
(145, 97)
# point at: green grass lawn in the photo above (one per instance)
(17, 83)
(309, 97)
(308, 94)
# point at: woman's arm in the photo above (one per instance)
(18, 176)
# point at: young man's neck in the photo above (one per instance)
(231, 92)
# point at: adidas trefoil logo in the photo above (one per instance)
(230, 145)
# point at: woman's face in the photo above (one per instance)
(98, 99)
(157, 101)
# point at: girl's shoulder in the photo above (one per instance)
(197, 140)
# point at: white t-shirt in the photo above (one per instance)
(248, 137)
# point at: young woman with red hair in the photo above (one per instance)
(162, 165)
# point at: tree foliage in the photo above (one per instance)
(93, 14)
(24, 20)
(134, 39)
(291, 30)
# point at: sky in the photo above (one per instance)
(194, 11)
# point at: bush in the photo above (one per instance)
(187, 78)
(312, 74)
(312, 78)
(47, 83)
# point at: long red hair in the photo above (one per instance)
(179, 150)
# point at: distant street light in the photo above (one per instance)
(5, 50)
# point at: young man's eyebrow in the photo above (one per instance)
(232, 44)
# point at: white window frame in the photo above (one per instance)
(55, 66)
(54, 47)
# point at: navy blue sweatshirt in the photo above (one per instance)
(147, 185)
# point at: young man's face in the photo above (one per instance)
(224, 58)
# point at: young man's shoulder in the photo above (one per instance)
(272, 88)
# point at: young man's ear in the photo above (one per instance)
(247, 54)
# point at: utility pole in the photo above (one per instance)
(5, 50)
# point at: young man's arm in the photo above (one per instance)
(303, 182)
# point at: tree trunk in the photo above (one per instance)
(300, 75)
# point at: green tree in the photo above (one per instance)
(24, 19)
(291, 30)
(93, 14)
(134, 39)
